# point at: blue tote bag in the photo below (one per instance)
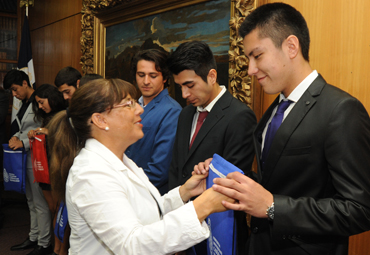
(14, 169)
(222, 240)
(61, 222)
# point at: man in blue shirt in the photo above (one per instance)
(154, 151)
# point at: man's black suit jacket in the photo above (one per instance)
(318, 170)
(227, 131)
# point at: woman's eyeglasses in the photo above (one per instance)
(130, 103)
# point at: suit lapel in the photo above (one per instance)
(212, 119)
(139, 177)
(25, 116)
(147, 109)
(153, 103)
(290, 124)
(258, 135)
(185, 131)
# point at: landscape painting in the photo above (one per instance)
(208, 22)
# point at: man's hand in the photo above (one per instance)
(15, 143)
(252, 197)
(202, 167)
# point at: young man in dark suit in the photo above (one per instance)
(68, 80)
(313, 187)
(227, 124)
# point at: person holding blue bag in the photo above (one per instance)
(14, 169)
(39, 237)
(113, 208)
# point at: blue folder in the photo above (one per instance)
(222, 240)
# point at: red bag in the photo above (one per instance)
(39, 159)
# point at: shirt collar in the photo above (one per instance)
(95, 146)
(141, 101)
(301, 88)
(163, 93)
(209, 107)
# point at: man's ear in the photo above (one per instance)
(212, 76)
(293, 46)
(98, 120)
(78, 84)
(164, 83)
(24, 83)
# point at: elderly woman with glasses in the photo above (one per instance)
(112, 206)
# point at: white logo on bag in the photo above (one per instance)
(37, 165)
(61, 224)
(10, 177)
(60, 217)
(6, 176)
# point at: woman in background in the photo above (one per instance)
(49, 101)
(112, 206)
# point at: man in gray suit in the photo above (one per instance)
(39, 236)
(313, 185)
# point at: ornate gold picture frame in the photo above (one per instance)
(97, 15)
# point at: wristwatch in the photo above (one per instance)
(270, 212)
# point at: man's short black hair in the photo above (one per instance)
(277, 21)
(67, 75)
(15, 77)
(89, 77)
(158, 57)
(193, 55)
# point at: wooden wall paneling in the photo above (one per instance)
(45, 12)
(55, 46)
(359, 244)
(340, 47)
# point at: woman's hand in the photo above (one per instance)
(42, 131)
(38, 131)
(31, 134)
(193, 187)
(210, 202)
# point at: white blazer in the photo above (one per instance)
(114, 209)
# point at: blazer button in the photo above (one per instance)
(255, 230)
(284, 237)
(183, 175)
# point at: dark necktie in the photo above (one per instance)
(272, 128)
(202, 116)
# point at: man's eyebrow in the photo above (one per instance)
(251, 53)
(185, 83)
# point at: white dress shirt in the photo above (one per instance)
(114, 209)
(208, 108)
